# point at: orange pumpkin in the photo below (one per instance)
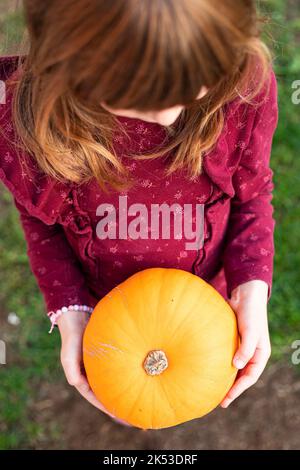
(158, 348)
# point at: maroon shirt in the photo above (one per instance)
(74, 266)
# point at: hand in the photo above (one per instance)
(249, 301)
(71, 326)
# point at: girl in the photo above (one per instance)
(158, 102)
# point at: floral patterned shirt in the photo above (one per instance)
(73, 265)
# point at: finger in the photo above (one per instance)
(85, 390)
(246, 349)
(248, 376)
(75, 377)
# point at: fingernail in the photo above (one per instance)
(226, 403)
(238, 363)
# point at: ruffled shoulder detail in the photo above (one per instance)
(41, 195)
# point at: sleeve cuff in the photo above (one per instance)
(238, 277)
(54, 300)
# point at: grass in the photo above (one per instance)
(33, 355)
(284, 306)
(11, 27)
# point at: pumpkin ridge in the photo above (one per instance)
(123, 295)
(145, 383)
(124, 390)
(182, 388)
(168, 398)
(173, 333)
(209, 320)
(157, 311)
(114, 319)
(128, 311)
(153, 407)
(141, 282)
(184, 288)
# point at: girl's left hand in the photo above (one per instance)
(249, 301)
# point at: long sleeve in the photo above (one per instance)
(53, 263)
(39, 200)
(249, 247)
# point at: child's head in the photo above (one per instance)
(164, 117)
(165, 61)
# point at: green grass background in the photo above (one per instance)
(33, 355)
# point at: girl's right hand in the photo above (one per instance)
(71, 326)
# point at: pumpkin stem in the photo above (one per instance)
(155, 362)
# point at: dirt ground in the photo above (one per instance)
(266, 417)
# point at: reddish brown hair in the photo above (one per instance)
(131, 54)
